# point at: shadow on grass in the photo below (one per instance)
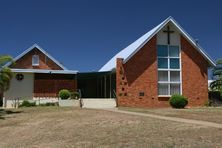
(4, 112)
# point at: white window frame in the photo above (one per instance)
(33, 62)
(169, 70)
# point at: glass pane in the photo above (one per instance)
(174, 89)
(174, 51)
(35, 60)
(163, 89)
(162, 51)
(174, 63)
(162, 63)
(175, 76)
(163, 75)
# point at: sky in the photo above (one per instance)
(85, 34)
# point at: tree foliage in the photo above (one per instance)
(217, 74)
(5, 73)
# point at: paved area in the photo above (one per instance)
(176, 119)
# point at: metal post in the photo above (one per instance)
(105, 86)
(101, 87)
(110, 89)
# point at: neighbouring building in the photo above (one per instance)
(164, 61)
(38, 76)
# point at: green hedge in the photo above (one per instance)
(26, 103)
(178, 101)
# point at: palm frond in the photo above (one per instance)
(5, 59)
(5, 78)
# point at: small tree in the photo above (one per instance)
(5, 75)
(217, 74)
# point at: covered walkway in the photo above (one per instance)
(97, 84)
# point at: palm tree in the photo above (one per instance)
(217, 74)
(5, 75)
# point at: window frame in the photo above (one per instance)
(33, 63)
(168, 69)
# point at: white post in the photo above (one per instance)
(4, 102)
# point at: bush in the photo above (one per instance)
(64, 94)
(208, 103)
(214, 95)
(178, 101)
(74, 95)
(26, 103)
(49, 104)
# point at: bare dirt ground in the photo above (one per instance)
(211, 114)
(71, 127)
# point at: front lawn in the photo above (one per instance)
(211, 114)
(73, 127)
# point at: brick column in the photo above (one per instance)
(119, 73)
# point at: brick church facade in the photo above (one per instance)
(158, 65)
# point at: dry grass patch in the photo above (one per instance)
(72, 127)
(211, 114)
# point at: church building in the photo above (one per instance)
(163, 62)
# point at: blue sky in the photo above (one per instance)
(85, 34)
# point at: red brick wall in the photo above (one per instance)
(194, 74)
(140, 74)
(49, 85)
(44, 62)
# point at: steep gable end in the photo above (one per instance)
(36, 58)
(133, 48)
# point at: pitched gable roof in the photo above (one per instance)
(40, 49)
(133, 48)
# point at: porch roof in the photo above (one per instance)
(90, 75)
(45, 71)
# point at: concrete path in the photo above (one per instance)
(176, 119)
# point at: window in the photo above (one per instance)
(169, 70)
(35, 60)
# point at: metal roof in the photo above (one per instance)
(133, 48)
(44, 71)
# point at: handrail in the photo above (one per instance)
(114, 93)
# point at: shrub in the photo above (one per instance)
(74, 95)
(49, 104)
(26, 103)
(214, 95)
(208, 103)
(178, 101)
(64, 94)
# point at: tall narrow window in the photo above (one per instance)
(169, 70)
(35, 60)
